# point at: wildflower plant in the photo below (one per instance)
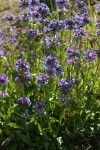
(49, 76)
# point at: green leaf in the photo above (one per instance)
(14, 125)
(32, 120)
(39, 127)
(25, 138)
(0, 131)
(10, 111)
(7, 140)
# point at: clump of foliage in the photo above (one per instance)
(50, 76)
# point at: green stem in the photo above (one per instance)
(95, 75)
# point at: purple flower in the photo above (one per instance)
(47, 30)
(78, 20)
(26, 115)
(23, 78)
(86, 20)
(50, 41)
(42, 9)
(1, 53)
(39, 107)
(42, 79)
(98, 32)
(79, 33)
(42, 21)
(70, 23)
(59, 70)
(74, 80)
(51, 61)
(65, 86)
(32, 33)
(9, 17)
(12, 39)
(63, 10)
(22, 3)
(90, 56)
(98, 23)
(81, 20)
(34, 15)
(24, 16)
(72, 55)
(46, 40)
(57, 42)
(98, 8)
(33, 2)
(3, 94)
(81, 6)
(3, 79)
(52, 66)
(56, 25)
(73, 60)
(22, 66)
(1, 36)
(24, 102)
(51, 71)
(61, 3)
(63, 99)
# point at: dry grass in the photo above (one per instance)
(7, 6)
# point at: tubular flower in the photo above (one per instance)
(39, 107)
(3, 94)
(3, 79)
(72, 55)
(24, 102)
(65, 86)
(42, 79)
(61, 3)
(22, 66)
(90, 56)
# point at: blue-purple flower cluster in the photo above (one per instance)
(53, 26)
(90, 56)
(39, 107)
(98, 8)
(33, 33)
(73, 54)
(52, 66)
(3, 93)
(24, 102)
(34, 12)
(61, 3)
(98, 26)
(23, 3)
(81, 7)
(65, 86)
(79, 33)
(1, 53)
(1, 36)
(3, 81)
(9, 17)
(50, 41)
(23, 69)
(42, 79)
